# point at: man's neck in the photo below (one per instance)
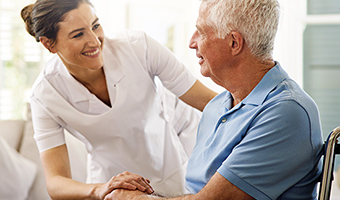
(249, 78)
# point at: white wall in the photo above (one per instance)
(156, 16)
(289, 40)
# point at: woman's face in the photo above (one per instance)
(79, 42)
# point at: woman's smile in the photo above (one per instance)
(93, 53)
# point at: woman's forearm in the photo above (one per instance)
(65, 188)
(198, 96)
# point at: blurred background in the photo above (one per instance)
(307, 46)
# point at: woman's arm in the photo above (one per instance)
(160, 61)
(198, 96)
(60, 185)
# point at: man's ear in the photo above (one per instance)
(237, 42)
(48, 44)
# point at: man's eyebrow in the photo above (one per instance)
(81, 29)
(199, 28)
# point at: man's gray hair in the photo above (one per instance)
(256, 20)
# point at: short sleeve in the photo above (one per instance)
(163, 63)
(279, 138)
(47, 132)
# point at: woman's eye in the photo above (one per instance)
(78, 35)
(96, 26)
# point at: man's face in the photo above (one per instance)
(213, 52)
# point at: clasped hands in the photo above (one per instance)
(125, 181)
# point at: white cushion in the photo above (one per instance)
(17, 173)
(29, 150)
(11, 131)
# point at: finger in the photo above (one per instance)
(143, 186)
(125, 185)
(139, 186)
(139, 182)
(147, 181)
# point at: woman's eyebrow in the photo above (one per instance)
(76, 30)
(81, 29)
(95, 21)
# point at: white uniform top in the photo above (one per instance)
(145, 130)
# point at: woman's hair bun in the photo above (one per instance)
(26, 15)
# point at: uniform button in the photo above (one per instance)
(224, 120)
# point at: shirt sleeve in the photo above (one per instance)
(275, 153)
(47, 132)
(161, 62)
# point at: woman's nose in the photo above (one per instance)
(93, 39)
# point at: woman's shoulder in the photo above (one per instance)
(125, 38)
(126, 35)
(53, 68)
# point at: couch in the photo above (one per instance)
(22, 176)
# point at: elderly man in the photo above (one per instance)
(261, 138)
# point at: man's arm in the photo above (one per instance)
(218, 188)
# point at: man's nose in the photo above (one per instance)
(192, 42)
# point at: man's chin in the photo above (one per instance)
(205, 72)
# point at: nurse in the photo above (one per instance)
(105, 91)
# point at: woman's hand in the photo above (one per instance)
(125, 180)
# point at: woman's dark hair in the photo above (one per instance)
(42, 18)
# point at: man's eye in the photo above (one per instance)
(78, 35)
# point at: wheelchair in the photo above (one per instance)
(331, 148)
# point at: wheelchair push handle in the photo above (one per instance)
(331, 148)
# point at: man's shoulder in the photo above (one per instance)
(289, 90)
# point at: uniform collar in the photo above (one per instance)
(113, 70)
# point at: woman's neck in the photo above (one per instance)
(95, 82)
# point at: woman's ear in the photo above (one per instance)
(48, 44)
(237, 42)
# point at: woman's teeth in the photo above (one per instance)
(92, 53)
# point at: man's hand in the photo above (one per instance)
(121, 194)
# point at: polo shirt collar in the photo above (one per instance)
(258, 95)
(270, 80)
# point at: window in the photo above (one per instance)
(20, 60)
(321, 61)
(306, 45)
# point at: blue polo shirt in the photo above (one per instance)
(269, 145)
